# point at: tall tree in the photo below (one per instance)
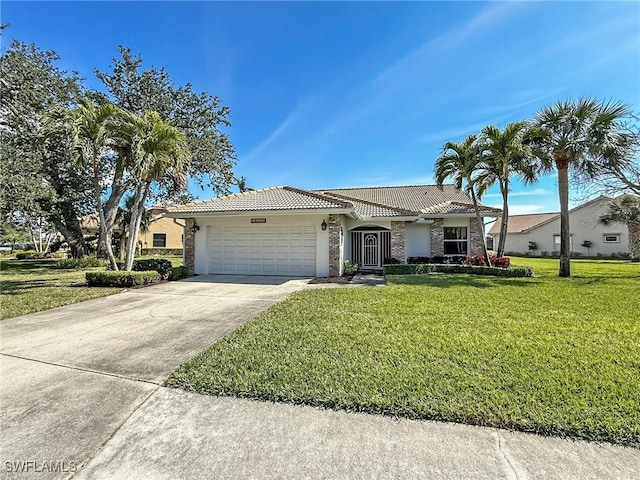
(462, 161)
(123, 220)
(160, 154)
(505, 155)
(92, 136)
(626, 210)
(38, 176)
(200, 116)
(577, 135)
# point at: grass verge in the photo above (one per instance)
(547, 355)
(28, 286)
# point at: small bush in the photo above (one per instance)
(84, 262)
(418, 260)
(438, 259)
(121, 279)
(443, 268)
(160, 265)
(476, 259)
(179, 272)
(350, 268)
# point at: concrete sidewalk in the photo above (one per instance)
(179, 435)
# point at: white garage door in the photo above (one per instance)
(262, 250)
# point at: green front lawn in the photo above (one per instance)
(28, 286)
(544, 354)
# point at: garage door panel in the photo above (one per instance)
(262, 250)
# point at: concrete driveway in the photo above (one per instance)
(72, 375)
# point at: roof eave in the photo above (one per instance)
(248, 213)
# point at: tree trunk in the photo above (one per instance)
(104, 233)
(504, 220)
(68, 224)
(110, 209)
(134, 224)
(634, 239)
(565, 232)
(485, 252)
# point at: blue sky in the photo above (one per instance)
(358, 94)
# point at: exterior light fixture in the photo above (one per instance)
(195, 227)
(323, 225)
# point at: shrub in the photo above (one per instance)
(437, 259)
(391, 261)
(84, 262)
(417, 260)
(179, 272)
(121, 279)
(476, 259)
(160, 265)
(471, 269)
(350, 268)
(500, 262)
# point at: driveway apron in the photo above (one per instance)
(71, 376)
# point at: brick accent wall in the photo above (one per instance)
(397, 241)
(334, 245)
(475, 237)
(437, 238)
(190, 246)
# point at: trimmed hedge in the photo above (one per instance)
(416, 269)
(84, 262)
(179, 272)
(160, 265)
(110, 278)
(167, 252)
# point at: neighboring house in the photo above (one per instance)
(163, 233)
(544, 230)
(289, 231)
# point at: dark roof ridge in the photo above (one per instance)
(316, 195)
(387, 186)
(375, 204)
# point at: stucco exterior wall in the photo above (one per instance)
(165, 225)
(584, 225)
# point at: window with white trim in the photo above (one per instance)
(611, 238)
(455, 241)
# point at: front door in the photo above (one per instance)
(370, 251)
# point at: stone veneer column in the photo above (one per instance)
(437, 238)
(334, 245)
(397, 241)
(475, 237)
(190, 245)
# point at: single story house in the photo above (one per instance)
(584, 224)
(290, 231)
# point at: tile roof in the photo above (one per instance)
(268, 199)
(459, 208)
(523, 223)
(414, 198)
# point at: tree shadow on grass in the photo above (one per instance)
(27, 266)
(17, 286)
(461, 280)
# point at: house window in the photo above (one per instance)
(455, 241)
(159, 240)
(556, 243)
(611, 238)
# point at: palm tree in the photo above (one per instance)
(626, 210)
(460, 161)
(159, 154)
(242, 184)
(578, 135)
(504, 155)
(91, 134)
